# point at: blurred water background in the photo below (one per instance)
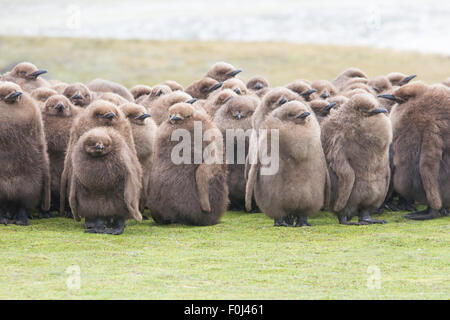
(404, 25)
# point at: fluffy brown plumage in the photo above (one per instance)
(222, 71)
(27, 76)
(235, 116)
(421, 126)
(79, 94)
(217, 100)
(202, 88)
(159, 109)
(351, 73)
(105, 180)
(139, 91)
(303, 89)
(356, 139)
(301, 185)
(24, 173)
(40, 95)
(399, 79)
(322, 108)
(237, 85)
(158, 92)
(258, 85)
(325, 89)
(193, 194)
(101, 85)
(173, 85)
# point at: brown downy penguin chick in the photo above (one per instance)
(40, 95)
(351, 93)
(237, 85)
(421, 126)
(26, 75)
(158, 92)
(303, 89)
(322, 108)
(114, 98)
(160, 108)
(349, 74)
(355, 86)
(139, 91)
(78, 94)
(446, 82)
(144, 132)
(173, 85)
(258, 85)
(58, 115)
(99, 113)
(101, 85)
(380, 84)
(340, 100)
(325, 89)
(59, 87)
(356, 139)
(188, 192)
(399, 79)
(217, 100)
(222, 71)
(202, 88)
(236, 115)
(105, 181)
(24, 173)
(301, 186)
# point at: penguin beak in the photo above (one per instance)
(258, 86)
(192, 101)
(237, 90)
(235, 72)
(175, 118)
(215, 87)
(109, 116)
(239, 115)
(283, 101)
(13, 97)
(325, 95)
(59, 107)
(303, 115)
(388, 96)
(144, 116)
(159, 93)
(331, 105)
(37, 73)
(408, 79)
(377, 111)
(77, 96)
(99, 146)
(308, 93)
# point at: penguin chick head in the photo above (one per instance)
(240, 108)
(104, 113)
(181, 113)
(237, 85)
(222, 71)
(257, 83)
(406, 92)
(302, 88)
(365, 105)
(97, 143)
(79, 94)
(10, 93)
(294, 111)
(321, 107)
(399, 79)
(380, 84)
(277, 97)
(42, 94)
(135, 113)
(27, 71)
(325, 89)
(140, 90)
(58, 105)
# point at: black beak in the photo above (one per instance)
(37, 73)
(59, 107)
(325, 95)
(144, 116)
(388, 96)
(235, 72)
(159, 93)
(13, 97)
(377, 111)
(258, 86)
(175, 118)
(192, 101)
(303, 115)
(283, 101)
(77, 96)
(109, 116)
(99, 146)
(215, 87)
(331, 105)
(408, 79)
(237, 90)
(309, 92)
(239, 115)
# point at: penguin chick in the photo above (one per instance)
(27, 76)
(202, 88)
(101, 85)
(351, 73)
(222, 71)
(78, 94)
(303, 89)
(325, 89)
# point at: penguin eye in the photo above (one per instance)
(291, 114)
(23, 73)
(204, 89)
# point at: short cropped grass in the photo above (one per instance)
(243, 257)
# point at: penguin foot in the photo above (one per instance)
(302, 222)
(145, 217)
(405, 205)
(287, 221)
(367, 221)
(423, 215)
(44, 214)
(94, 225)
(69, 214)
(117, 227)
(21, 218)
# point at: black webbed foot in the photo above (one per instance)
(44, 214)
(287, 221)
(69, 213)
(95, 225)
(3, 218)
(427, 214)
(301, 222)
(117, 227)
(405, 205)
(21, 218)
(365, 219)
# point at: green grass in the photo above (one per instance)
(243, 257)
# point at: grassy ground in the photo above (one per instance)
(243, 257)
